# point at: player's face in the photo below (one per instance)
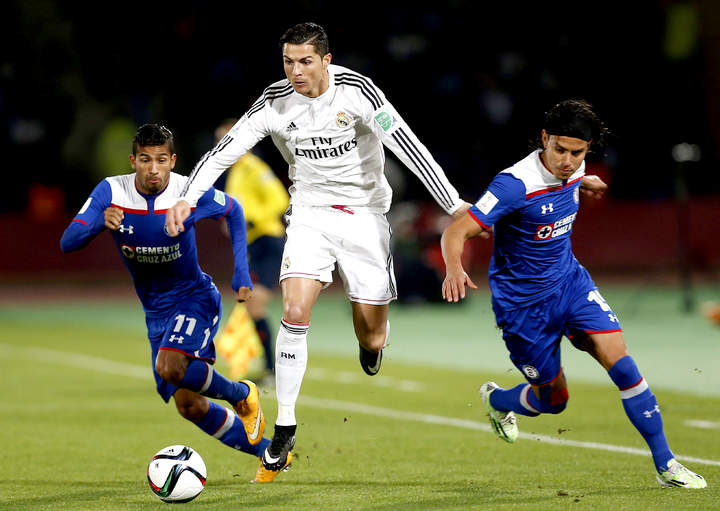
(152, 166)
(563, 155)
(306, 69)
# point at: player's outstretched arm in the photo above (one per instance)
(452, 244)
(90, 221)
(175, 216)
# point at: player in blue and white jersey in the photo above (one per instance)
(540, 292)
(182, 305)
(331, 125)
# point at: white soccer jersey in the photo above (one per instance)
(332, 144)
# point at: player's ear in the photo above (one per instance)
(173, 159)
(132, 161)
(326, 60)
(545, 139)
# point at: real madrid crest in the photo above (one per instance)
(286, 263)
(343, 121)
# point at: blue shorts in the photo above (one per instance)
(188, 328)
(532, 334)
(265, 257)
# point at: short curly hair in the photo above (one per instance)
(153, 135)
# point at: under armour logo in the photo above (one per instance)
(179, 338)
(291, 127)
(613, 318)
(547, 209)
(129, 229)
(648, 413)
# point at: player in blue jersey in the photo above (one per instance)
(540, 292)
(182, 305)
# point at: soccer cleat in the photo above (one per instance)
(678, 475)
(264, 475)
(370, 361)
(251, 414)
(504, 423)
(277, 455)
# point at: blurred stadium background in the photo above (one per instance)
(472, 79)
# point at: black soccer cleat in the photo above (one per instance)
(275, 456)
(370, 361)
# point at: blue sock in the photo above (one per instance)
(263, 330)
(513, 400)
(200, 377)
(227, 427)
(641, 408)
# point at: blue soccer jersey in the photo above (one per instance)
(532, 214)
(164, 269)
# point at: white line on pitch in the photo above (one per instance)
(104, 365)
(702, 424)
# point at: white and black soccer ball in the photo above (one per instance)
(176, 474)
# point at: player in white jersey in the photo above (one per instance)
(330, 125)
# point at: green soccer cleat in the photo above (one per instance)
(677, 475)
(504, 423)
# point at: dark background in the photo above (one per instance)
(472, 79)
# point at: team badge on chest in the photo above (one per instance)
(343, 121)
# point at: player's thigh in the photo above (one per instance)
(532, 336)
(299, 296)
(192, 325)
(308, 251)
(592, 325)
(365, 261)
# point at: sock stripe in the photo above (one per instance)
(634, 390)
(226, 424)
(208, 378)
(295, 328)
(524, 400)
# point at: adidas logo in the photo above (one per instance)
(291, 127)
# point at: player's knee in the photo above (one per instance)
(552, 402)
(295, 313)
(558, 401)
(191, 409)
(171, 373)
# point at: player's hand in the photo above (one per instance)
(453, 287)
(593, 187)
(113, 218)
(175, 217)
(243, 294)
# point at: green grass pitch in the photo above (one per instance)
(80, 418)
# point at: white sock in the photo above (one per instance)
(290, 364)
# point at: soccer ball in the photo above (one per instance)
(176, 474)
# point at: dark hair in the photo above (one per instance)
(153, 135)
(307, 33)
(576, 118)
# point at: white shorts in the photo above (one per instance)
(358, 239)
